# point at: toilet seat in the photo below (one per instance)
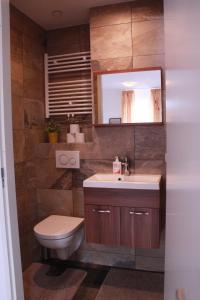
(58, 227)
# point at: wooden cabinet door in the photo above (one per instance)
(102, 224)
(140, 227)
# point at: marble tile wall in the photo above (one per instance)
(27, 49)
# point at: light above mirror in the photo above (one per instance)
(128, 97)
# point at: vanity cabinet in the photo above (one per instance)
(122, 217)
(102, 224)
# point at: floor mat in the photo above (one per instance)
(132, 285)
(38, 285)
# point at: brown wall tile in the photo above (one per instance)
(18, 111)
(110, 15)
(143, 10)
(111, 41)
(149, 61)
(54, 202)
(19, 145)
(148, 37)
(119, 63)
(150, 142)
(27, 55)
(68, 40)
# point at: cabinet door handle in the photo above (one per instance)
(139, 213)
(101, 211)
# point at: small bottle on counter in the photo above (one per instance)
(117, 166)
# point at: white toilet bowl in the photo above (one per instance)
(61, 233)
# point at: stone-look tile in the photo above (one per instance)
(33, 30)
(19, 145)
(30, 249)
(64, 182)
(17, 78)
(25, 176)
(110, 15)
(84, 37)
(111, 41)
(17, 112)
(147, 10)
(119, 63)
(121, 143)
(89, 168)
(33, 53)
(148, 37)
(27, 48)
(150, 167)
(32, 138)
(33, 113)
(54, 202)
(149, 61)
(67, 40)
(48, 175)
(17, 19)
(47, 150)
(108, 249)
(150, 142)
(27, 210)
(78, 202)
(16, 39)
(33, 84)
(105, 258)
(149, 263)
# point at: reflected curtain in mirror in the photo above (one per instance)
(128, 98)
(156, 101)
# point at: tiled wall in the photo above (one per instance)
(127, 35)
(121, 36)
(27, 49)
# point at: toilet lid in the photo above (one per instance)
(57, 227)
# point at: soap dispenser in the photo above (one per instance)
(117, 166)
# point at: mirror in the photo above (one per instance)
(128, 97)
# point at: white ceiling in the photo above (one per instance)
(75, 12)
(143, 80)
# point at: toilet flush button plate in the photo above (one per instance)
(68, 159)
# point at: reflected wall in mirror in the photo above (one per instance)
(128, 97)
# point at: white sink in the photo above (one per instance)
(138, 182)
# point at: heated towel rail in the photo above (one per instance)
(68, 85)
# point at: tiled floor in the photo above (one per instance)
(42, 283)
(121, 257)
(90, 282)
(132, 285)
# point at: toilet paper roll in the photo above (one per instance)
(80, 138)
(70, 138)
(74, 128)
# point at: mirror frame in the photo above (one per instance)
(95, 75)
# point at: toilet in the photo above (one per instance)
(61, 233)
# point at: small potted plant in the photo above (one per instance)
(52, 130)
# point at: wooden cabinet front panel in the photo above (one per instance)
(129, 217)
(139, 227)
(142, 227)
(102, 224)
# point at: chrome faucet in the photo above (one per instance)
(125, 167)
